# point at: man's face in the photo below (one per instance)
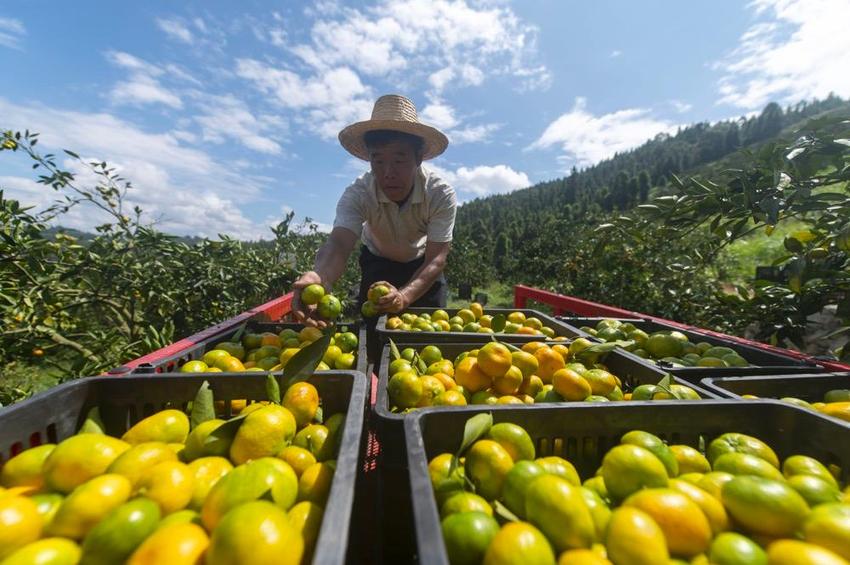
(394, 167)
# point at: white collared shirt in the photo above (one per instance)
(398, 232)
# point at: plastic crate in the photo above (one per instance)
(172, 363)
(561, 329)
(583, 433)
(57, 414)
(631, 370)
(763, 362)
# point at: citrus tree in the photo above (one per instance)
(806, 179)
(77, 307)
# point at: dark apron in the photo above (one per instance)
(375, 268)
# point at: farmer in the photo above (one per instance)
(402, 213)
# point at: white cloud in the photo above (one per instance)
(226, 117)
(473, 134)
(587, 139)
(482, 180)
(190, 191)
(615, 53)
(143, 86)
(11, 32)
(439, 115)
(176, 29)
(681, 107)
(801, 52)
(331, 100)
(143, 89)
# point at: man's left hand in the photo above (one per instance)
(395, 302)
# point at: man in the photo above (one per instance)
(402, 213)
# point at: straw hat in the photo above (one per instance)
(397, 113)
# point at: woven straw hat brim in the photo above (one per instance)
(351, 137)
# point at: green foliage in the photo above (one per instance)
(807, 180)
(71, 307)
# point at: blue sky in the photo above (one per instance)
(224, 115)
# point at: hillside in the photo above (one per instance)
(489, 227)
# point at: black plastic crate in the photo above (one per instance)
(631, 370)
(561, 329)
(583, 433)
(58, 413)
(172, 363)
(810, 388)
(763, 362)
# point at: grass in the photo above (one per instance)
(20, 380)
(738, 262)
(499, 295)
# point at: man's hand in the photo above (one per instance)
(395, 302)
(301, 312)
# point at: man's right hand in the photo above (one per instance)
(301, 312)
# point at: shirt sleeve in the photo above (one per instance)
(350, 213)
(441, 223)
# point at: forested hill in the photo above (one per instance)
(627, 179)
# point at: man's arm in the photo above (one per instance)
(435, 261)
(330, 263)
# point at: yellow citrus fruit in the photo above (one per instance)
(316, 439)
(186, 516)
(206, 472)
(463, 501)
(306, 518)
(446, 380)
(570, 385)
(549, 362)
(88, 504)
(815, 490)
(654, 444)
(345, 362)
(120, 532)
(309, 333)
(840, 410)
(298, 458)
(741, 443)
(405, 390)
(450, 398)
(314, 485)
(533, 322)
(476, 309)
(170, 484)
(263, 433)
(514, 439)
(746, 464)
(255, 532)
(80, 458)
(47, 504)
(599, 511)
(250, 482)
(516, 543)
(432, 387)
(533, 346)
(516, 317)
(764, 506)
(558, 509)
(562, 350)
(710, 506)
(508, 383)
(229, 364)
(829, 526)
(560, 467)
(794, 552)
(602, 382)
(466, 536)
(508, 400)
(177, 544)
(167, 426)
(582, 557)
(685, 527)
(47, 551)
(803, 465)
(531, 386)
(441, 366)
(25, 468)
(487, 464)
(311, 294)
(470, 376)
(526, 362)
(628, 468)
(199, 443)
(302, 399)
(731, 548)
(134, 462)
(494, 359)
(287, 354)
(20, 524)
(634, 538)
(690, 460)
